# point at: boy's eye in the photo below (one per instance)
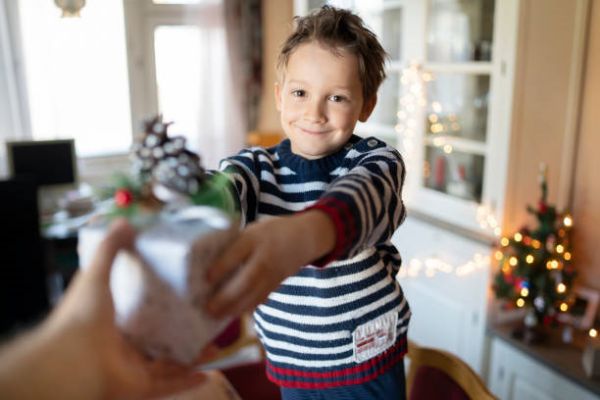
(298, 93)
(335, 98)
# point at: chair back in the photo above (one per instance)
(438, 374)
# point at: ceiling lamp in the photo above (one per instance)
(70, 8)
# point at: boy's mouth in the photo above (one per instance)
(312, 131)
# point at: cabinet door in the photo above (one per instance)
(456, 152)
(516, 376)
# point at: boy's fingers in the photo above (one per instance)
(242, 289)
(248, 303)
(234, 289)
(228, 262)
(120, 235)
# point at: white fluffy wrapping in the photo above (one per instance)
(159, 291)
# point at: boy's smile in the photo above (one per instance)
(320, 99)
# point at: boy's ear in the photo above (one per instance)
(367, 108)
(277, 92)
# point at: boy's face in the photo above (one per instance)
(320, 100)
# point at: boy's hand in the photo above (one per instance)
(264, 254)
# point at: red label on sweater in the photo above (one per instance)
(374, 337)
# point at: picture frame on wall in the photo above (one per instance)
(583, 311)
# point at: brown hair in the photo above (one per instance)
(340, 29)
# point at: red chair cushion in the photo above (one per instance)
(229, 335)
(250, 381)
(431, 383)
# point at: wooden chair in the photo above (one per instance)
(438, 374)
(264, 138)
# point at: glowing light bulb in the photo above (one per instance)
(518, 237)
(529, 259)
(536, 244)
(498, 255)
(513, 261)
(504, 241)
(524, 292)
(568, 221)
(520, 303)
(561, 288)
(567, 256)
(593, 333)
(564, 307)
(560, 249)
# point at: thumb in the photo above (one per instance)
(120, 236)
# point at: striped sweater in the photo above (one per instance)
(342, 320)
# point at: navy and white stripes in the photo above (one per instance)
(306, 325)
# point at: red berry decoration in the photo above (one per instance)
(123, 197)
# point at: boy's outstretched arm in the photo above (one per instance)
(360, 209)
(264, 254)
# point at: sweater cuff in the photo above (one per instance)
(344, 224)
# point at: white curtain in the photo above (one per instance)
(221, 117)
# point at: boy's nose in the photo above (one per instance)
(314, 111)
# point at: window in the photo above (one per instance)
(97, 77)
(76, 75)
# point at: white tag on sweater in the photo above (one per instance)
(374, 337)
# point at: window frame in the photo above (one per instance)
(140, 18)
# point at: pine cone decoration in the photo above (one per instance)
(165, 160)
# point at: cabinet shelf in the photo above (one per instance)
(474, 68)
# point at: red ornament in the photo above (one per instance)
(542, 207)
(123, 197)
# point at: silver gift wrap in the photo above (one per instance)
(159, 290)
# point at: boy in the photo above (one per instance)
(320, 209)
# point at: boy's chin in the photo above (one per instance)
(314, 153)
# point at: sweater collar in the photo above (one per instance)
(323, 164)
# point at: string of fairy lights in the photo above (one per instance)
(413, 98)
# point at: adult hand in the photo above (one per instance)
(86, 316)
(263, 255)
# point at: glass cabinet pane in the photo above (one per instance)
(457, 105)
(453, 172)
(314, 4)
(387, 101)
(460, 30)
(391, 32)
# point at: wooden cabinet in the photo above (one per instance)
(516, 375)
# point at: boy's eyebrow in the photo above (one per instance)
(300, 82)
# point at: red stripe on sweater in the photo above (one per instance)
(390, 362)
(343, 221)
(343, 372)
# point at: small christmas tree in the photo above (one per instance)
(535, 266)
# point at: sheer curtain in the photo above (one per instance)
(215, 105)
(12, 121)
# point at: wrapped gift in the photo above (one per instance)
(159, 290)
(184, 220)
